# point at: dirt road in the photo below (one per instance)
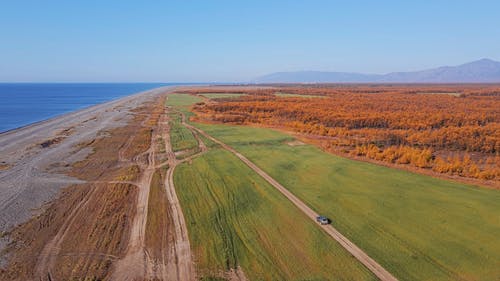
(137, 264)
(180, 264)
(180, 267)
(361, 256)
(176, 261)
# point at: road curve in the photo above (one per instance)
(361, 256)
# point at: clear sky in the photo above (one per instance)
(229, 41)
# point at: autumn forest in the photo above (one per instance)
(447, 129)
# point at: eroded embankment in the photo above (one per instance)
(82, 233)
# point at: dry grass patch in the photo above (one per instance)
(99, 234)
(91, 221)
(159, 226)
(130, 173)
(295, 143)
(142, 142)
(103, 159)
(30, 238)
(103, 162)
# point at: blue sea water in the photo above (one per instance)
(25, 103)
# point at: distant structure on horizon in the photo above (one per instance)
(481, 71)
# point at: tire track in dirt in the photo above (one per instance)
(121, 152)
(177, 259)
(361, 256)
(134, 265)
(47, 259)
(50, 252)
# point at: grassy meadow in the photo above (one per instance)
(182, 101)
(416, 226)
(180, 137)
(235, 218)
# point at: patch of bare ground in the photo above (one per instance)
(295, 143)
(4, 166)
(80, 235)
(235, 275)
(30, 238)
(158, 248)
(136, 264)
(104, 161)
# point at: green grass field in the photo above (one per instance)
(182, 101)
(180, 136)
(235, 218)
(416, 226)
(223, 95)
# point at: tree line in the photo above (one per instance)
(449, 129)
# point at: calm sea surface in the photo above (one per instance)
(24, 103)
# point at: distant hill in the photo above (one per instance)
(481, 71)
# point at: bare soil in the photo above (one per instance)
(158, 247)
(76, 159)
(28, 180)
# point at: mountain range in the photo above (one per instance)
(480, 71)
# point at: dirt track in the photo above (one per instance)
(135, 263)
(361, 256)
(28, 172)
(47, 258)
(36, 173)
(181, 267)
(176, 261)
(28, 168)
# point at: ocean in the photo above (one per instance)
(24, 103)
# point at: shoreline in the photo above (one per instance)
(2, 133)
(35, 173)
(86, 179)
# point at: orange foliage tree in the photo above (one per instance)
(449, 129)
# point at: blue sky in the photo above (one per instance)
(188, 41)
